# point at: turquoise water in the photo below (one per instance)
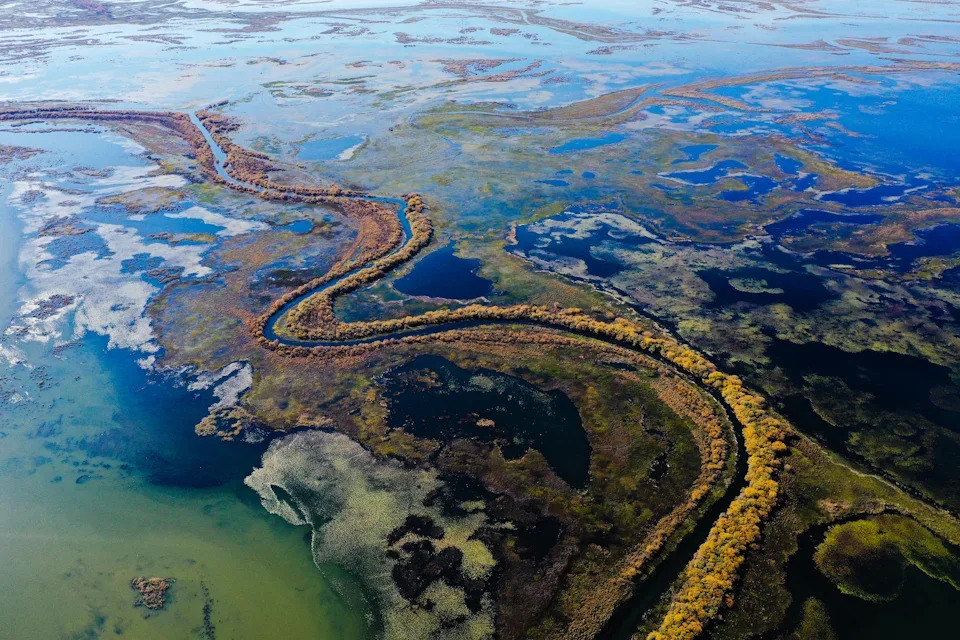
(102, 478)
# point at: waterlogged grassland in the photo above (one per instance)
(862, 310)
(508, 157)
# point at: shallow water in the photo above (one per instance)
(330, 148)
(102, 478)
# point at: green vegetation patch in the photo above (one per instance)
(867, 558)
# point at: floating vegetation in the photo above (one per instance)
(151, 591)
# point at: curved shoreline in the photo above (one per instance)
(709, 577)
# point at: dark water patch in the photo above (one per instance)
(950, 279)
(756, 187)
(582, 144)
(529, 242)
(805, 218)
(924, 607)
(155, 430)
(431, 397)
(895, 381)
(756, 285)
(442, 274)
(288, 277)
(589, 175)
(787, 165)
(661, 463)
(553, 182)
(940, 240)
(454, 490)
(799, 411)
(535, 541)
(830, 258)
(694, 151)
(577, 245)
(706, 176)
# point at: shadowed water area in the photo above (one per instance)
(431, 397)
(931, 603)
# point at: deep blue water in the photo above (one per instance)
(299, 226)
(803, 219)
(802, 291)
(805, 182)
(706, 176)
(940, 240)
(756, 186)
(442, 274)
(787, 165)
(905, 127)
(153, 428)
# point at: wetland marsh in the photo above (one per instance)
(452, 320)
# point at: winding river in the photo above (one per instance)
(650, 587)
